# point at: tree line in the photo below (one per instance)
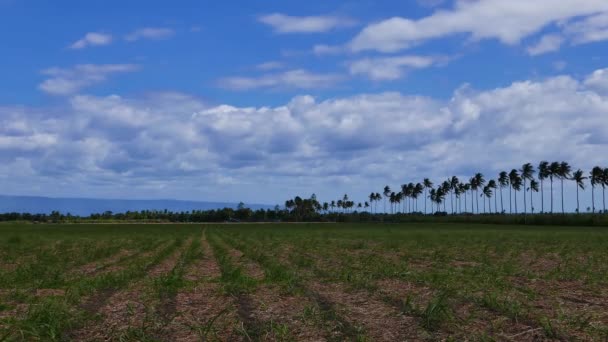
(464, 195)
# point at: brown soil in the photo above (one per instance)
(379, 321)
(95, 266)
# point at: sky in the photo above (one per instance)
(259, 101)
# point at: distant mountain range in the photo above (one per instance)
(87, 206)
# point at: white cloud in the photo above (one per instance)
(155, 33)
(322, 49)
(272, 65)
(282, 23)
(547, 43)
(292, 79)
(65, 81)
(92, 39)
(588, 30)
(158, 146)
(391, 68)
(507, 21)
(598, 80)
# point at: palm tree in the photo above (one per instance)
(527, 173)
(564, 173)
(445, 189)
(439, 197)
(465, 188)
(553, 172)
(453, 185)
(487, 193)
(604, 184)
(387, 193)
(418, 188)
(473, 184)
(579, 178)
(479, 181)
(533, 188)
(492, 184)
(392, 200)
(596, 178)
(372, 198)
(432, 197)
(515, 181)
(427, 185)
(543, 173)
(503, 181)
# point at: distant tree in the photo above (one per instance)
(527, 174)
(427, 185)
(503, 181)
(543, 173)
(554, 169)
(579, 178)
(564, 173)
(492, 184)
(515, 181)
(387, 193)
(533, 188)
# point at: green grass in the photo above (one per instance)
(506, 276)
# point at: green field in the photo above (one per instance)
(292, 282)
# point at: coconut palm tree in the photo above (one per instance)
(543, 173)
(454, 181)
(432, 197)
(604, 179)
(480, 182)
(564, 173)
(503, 181)
(445, 189)
(515, 181)
(464, 187)
(596, 176)
(427, 185)
(473, 185)
(418, 189)
(492, 184)
(533, 188)
(579, 178)
(487, 193)
(387, 193)
(553, 172)
(527, 173)
(439, 197)
(372, 198)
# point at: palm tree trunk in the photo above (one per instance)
(515, 198)
(525, 197)
(465, 201)
(593, 198)
(551, 195)
(425, 201)
(502, 206)
(604, 197)
(477, 200)
(472, 208)
(510, 200)
(563, 212)
(495, 204)
(578, 211)
(531, 202)
(542, 197)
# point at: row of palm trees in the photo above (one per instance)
(523, 179)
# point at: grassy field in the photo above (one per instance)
(292, 282)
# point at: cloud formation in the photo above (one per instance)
(155, 33)
(92, 39)
(391, 68)
(170, 144)
(291, 79)
(66, 81)
(507, 21)
(282, 23)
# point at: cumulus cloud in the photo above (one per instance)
(155, 33)
(547, 43)
(588, 30)
(506, 21)
(323, 49)
(291, 79)
(282, 23)
(391, 68)
(271, 65)
(171, 144)
(92, 39)
(65, 81)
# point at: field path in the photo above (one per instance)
(201, 312)
(126, 312)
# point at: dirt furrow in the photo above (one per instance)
(202, 313)
(127, 311)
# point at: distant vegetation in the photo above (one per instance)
(452, 200)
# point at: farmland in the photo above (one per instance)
(285, 282)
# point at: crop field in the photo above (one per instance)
(302, 282)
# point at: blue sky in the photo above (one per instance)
(258, 101)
